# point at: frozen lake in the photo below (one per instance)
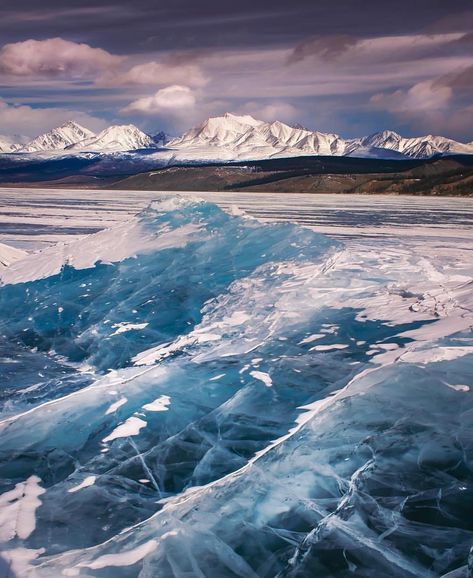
(32, 218)
(190, 392)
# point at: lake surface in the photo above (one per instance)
(32, 218)
(192, 392)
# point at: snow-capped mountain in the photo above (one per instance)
(427, 146)
(386, 139)
(5, 145)
(161, 138)
(124, 137)
(219, 131)
(234, 137)
(414, 147)
(57, 139)
(10, 144)
(243, 137)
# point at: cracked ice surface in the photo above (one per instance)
(284, 405)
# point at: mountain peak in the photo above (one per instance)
(72, 124)
(242, 119)
(118, 137)
(231, 121)
(385, 134)
(385, 139)
(58, 138)
(237, 137)
(234, 136)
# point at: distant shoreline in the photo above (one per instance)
(449, 176)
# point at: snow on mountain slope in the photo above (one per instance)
(10, 144)
(414, 147)
(124, 137)
(427, 146)
(309, 142)
(59, 138)
(235, 137)
(218, 131)
(5, 145)
(386, 139)
(244, 137)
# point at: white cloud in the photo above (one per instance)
(24, 119)
(428, 106)
(423, 97)
(54, 57)
(158, 73)
(174, 100)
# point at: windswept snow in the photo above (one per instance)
(9, 255)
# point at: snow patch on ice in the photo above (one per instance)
(131, 427)
(124, 326)
(162, 403)
(312, 338)
(18, 509)
(261, 376)
(332, 346)
(88, 481)
(116, 405)
(437, 354)
(127, 558)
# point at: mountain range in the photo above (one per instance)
(233, 137)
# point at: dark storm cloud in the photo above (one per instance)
(125, 27)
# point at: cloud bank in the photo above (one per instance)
(54, 57)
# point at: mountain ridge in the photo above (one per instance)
(58, 138)
(233, 137)
(116, 137)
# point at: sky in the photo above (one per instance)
(351, 67)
